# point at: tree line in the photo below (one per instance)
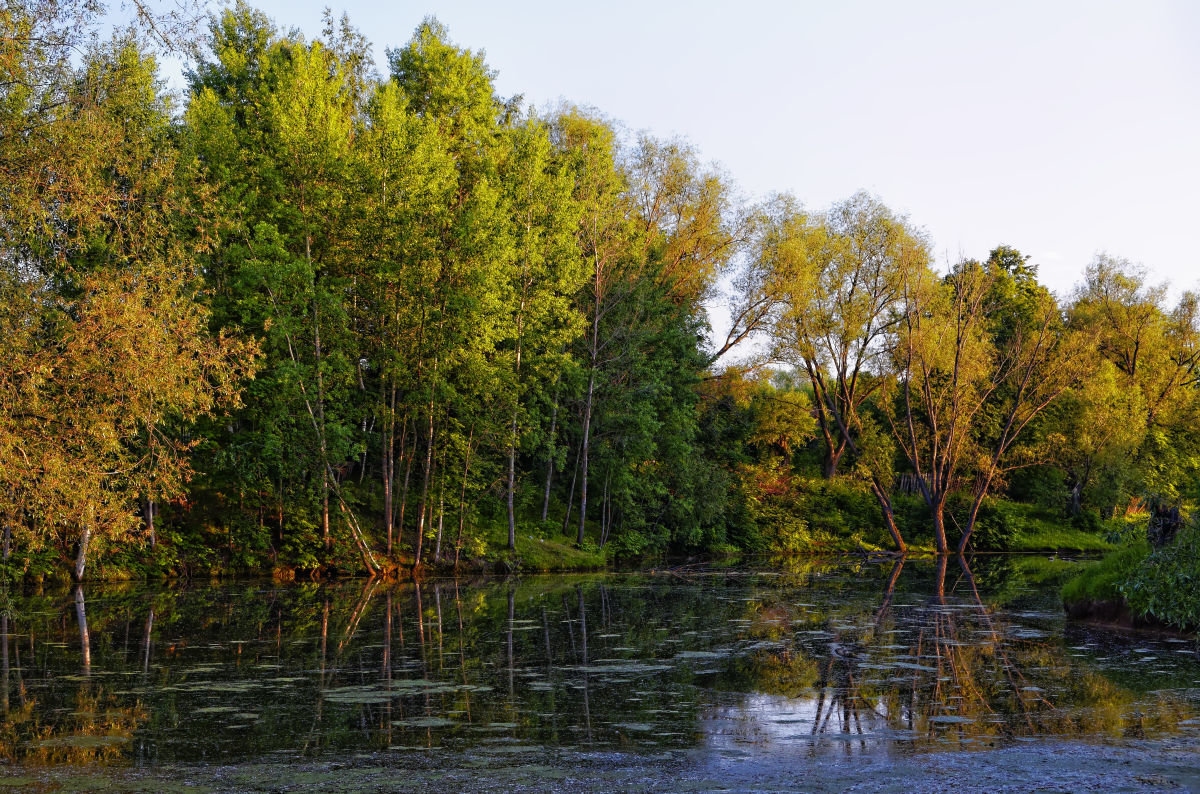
(315, 316)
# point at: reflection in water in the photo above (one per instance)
(822, 657)
(936, 670)
(85, 641)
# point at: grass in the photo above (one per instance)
(541, 554)
(1047, 536)
(1015, 526)
(1101, 580)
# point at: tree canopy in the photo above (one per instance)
(313, 315)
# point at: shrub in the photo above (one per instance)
(1126, 528)
(1166, 585)
(843, 508)
(996, 524)
(1089, 521)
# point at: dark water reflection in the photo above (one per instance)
(827, 657)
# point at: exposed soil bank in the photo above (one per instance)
(1043, 766)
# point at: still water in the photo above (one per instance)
(817, 658)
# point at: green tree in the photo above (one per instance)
(408, 181)
(840, 278)
(545, 275)
(271, 121)
(1155, 352)
(465, 292)
(967, 393)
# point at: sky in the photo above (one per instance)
(1064, 129)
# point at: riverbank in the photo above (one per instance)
(837, 527)
(1141, 586)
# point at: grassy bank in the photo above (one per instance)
(814, 517)
(1101, 581)
(1152, 586)
(539, 553)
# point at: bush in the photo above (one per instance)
(843, 508)
(1166, 584)
(782, 530)
(1160, 584)
(1089, 521)
(996, 524)
(1126, 528)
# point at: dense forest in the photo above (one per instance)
(318, 314)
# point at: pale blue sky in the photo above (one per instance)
(1061, 128)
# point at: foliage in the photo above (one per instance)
(997, 523)
(1104, 579)
(1165, 585)
(1156, 584)
(312, 317)
(106, 332)
(979, 356)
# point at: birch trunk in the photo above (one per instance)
(422, 509)
(81, 556)
(149, 519)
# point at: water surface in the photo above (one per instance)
(830, 659)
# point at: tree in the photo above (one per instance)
(408, 181)
(840, 278)
(969, 386)
(278, 125)
(603, 238)
(545, 275)
(1098, 429)
(463, 290)
(1154, 353)
(108, 338)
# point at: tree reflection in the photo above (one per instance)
(85, 640)
(936, 670)
(841, 656)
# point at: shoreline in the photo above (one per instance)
(1046, 765)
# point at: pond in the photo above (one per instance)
(811, 661)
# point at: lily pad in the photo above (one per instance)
(424, 722)
(357, 694)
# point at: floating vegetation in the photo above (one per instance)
(721, 654)
(425, 722)
(357, 695)
(732, 662)
(628, 668)
(508, 749)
